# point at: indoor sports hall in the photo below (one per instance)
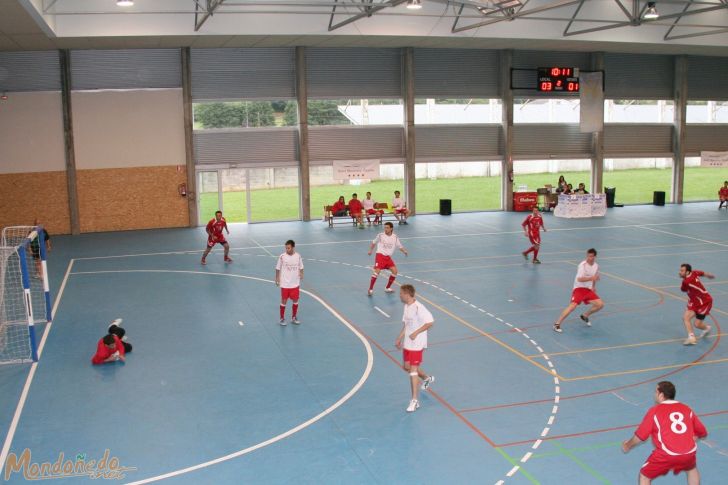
(138, 136)
(216, 391)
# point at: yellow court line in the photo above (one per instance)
(550, 372)
(599, 349)
(638, 371)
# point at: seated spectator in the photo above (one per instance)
(399, 207)
(369, 209)
(723, 194)
(356, 210)
(339, 207)
(581, 189)
(113, 346)
(561, 185)
(568, 190)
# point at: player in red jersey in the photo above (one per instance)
(674, 428)
(585, 284)
(386, 242)
(723, 195)
(531, 227)
(215, 236)
(699, 302)
(356, 210)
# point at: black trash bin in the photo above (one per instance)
(610, 192)
(445, 207)
(658, 198)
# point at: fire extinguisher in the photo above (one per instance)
(510, 175)
(182, 189)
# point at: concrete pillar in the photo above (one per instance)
(70, 149)
(506, 62)
(408, 81)
(189, 142)
(678, 128)
(303, 156)
(597, 158)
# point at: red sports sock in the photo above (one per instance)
(295, 310)
(529, 250)
(372, 282)
(535, 253)
(283, 310)
(391, 280)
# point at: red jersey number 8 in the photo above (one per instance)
(678, 425)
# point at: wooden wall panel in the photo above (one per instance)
(120, 199)
(42, 195)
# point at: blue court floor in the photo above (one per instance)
(216, 392)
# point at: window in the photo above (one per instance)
(359, 112)
(457, 111)
(702, 183)
(274, 194)
(707, 112)
(637, 178)
(540, 110)
(244, 114)
(529, 175)
(638, 111)
(472, 186)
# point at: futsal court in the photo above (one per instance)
(216, 391)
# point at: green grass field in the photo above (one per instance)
(467, 194)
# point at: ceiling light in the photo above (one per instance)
(651, 12)
(414, 4)
(124, 3)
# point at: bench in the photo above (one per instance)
(388, 215)
(333, 220)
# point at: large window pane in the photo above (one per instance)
(234, 197)
(707, 112)
(529, 175)
(702, 183)
(245, 114)
(637, 178)
(325, 190)
(638, 111)
(540, 110)
(207, 196)
(274, 194)
(471, 186)
(360, 112)
(457, 111)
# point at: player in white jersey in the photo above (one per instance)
(399, 207)
(369, 209)
(417, 320)
(585, 284)
(289, 273)
(385, 242)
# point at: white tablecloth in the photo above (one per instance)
(586, 205)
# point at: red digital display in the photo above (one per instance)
(558, 79)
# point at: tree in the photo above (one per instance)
(219, 115)
(257, 114)
(325, 112)
(290, 115)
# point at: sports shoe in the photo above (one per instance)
(691, 340)
(117, 322)
(203, 262)
(585, 320)
(388, 290)
(282, 323)
(370, 292)
(427, 383)
(525, 256)
(536, 261)
(361, 226)
(413, 405)
(295, 321)
(228, 260)
(557, 328)
(705, 332)
(405, 223)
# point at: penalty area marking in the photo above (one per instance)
(381, 311)
(286, 434)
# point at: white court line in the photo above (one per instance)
(263, 247)
(684, 236)
(321, 415)
(493, 233)
(381, 311)
(26, 388)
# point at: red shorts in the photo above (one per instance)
(382, 261)
(292, 293)
(212, 241)
(534, 238)
(701, 307)
(413, 357)
(375, 211)
(660, 463)
(403, 210)
(583, 295)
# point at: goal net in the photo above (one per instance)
(24, 292)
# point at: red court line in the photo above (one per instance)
(604, 391)
(595, 431)
(442, 400)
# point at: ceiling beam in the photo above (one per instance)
(368, 12)
(212, 5)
